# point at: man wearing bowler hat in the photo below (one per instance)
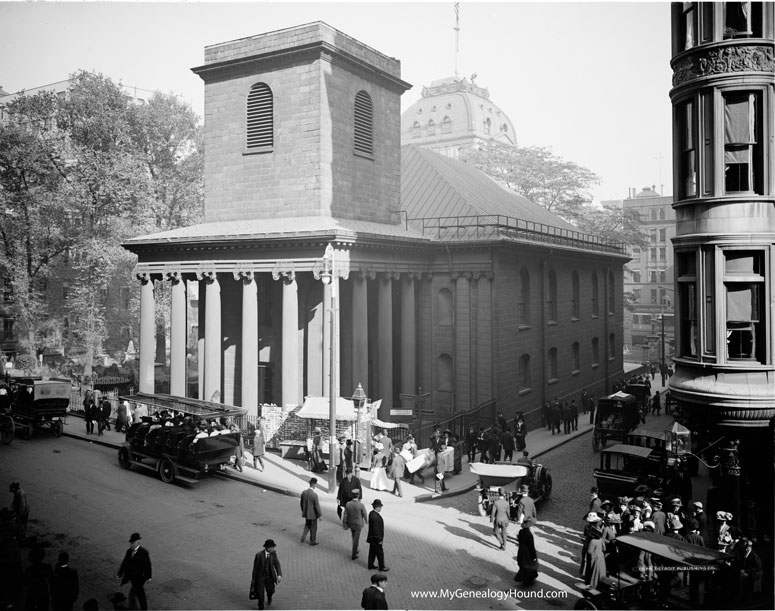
(136, 570)
(266, 573)
(375, 537)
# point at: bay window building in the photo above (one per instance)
(724, 166)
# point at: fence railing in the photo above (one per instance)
(498, 226)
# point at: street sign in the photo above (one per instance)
(400, 412)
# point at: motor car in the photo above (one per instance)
(172, 450)
(38, 403)
(623, 468)
(632, 584)
(510, 478)
(615, 416)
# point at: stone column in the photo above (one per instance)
(408, 337)
(213, 337)
(249, 343)
(290, 341)
(178, 326)
(484, 338)
(360, 336)
(147, 333)
(385, 343)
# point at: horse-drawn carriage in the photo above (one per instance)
(168, 443)
(36, 403)
(510, 477)
(616, 415)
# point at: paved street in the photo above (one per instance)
(202, 538)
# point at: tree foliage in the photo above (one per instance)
(79, 174)
(560, 186)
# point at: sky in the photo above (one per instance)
(590, 81)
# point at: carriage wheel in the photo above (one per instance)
(57, 428)
(166, 470)
(7, 432)
(124, 460)
(595, 442)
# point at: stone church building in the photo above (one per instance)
(439, 280)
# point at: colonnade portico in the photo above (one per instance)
(304, 341)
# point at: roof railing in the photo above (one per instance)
(481, 227)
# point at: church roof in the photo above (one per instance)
(434, 185)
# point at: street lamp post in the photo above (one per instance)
(328, 275)
(662, 320)
(359, 399)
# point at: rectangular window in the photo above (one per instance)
(687, 144)
(737, 19)
(744, 288)
(652, 276)
(653, 235)
(662, 235)
(662, 275)
(742, 145)
(689, 25)
(124, 298)
(652, 254)
(708, 142)
(636, 277)
(709, 335)
(653, 296)
(688, 309)
(662, 253)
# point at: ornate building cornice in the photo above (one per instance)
(723, 60)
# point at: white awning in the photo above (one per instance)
(318, 407)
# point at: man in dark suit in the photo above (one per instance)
(64, 585)
(136, 570)
(310, 511)
(266, 573)
(346, 487)
(375, 536)
(374, 596)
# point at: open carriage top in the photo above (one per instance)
(157, 403)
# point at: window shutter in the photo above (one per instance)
(364, 124)
(260, 119)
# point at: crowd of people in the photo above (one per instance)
(739, 578)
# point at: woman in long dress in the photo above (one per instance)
(595, 565)
(526, 555)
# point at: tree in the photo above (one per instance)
(81, 173)
(33, 229)
(560, 186)
(534, 172)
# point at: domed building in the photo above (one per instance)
(454, 113)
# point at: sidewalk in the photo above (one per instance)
(291, 477)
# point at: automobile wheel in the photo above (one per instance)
(585, 603)
(548, 486)
(56, 427)
(124, 460)
(166, 470)
(7, 432)
(595, 443)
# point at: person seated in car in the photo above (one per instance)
(202, 431)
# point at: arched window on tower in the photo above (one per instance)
(446, 125)
(431, 127)
(363, 140)
(487, 125)
(260, 118)
(416, 129)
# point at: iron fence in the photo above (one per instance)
(482, 227)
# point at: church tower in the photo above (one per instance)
(301, 122)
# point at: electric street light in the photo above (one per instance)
(359, 399)
(328, 276)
